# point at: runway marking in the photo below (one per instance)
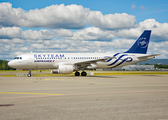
(78, 94)
(27, 97)
(30, 93)
(50, 79)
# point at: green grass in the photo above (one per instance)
(46, 73)
(8, 75)
(19, 71)
(134, 73)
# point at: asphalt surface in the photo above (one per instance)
(127, 97)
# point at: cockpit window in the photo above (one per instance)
(18, 58)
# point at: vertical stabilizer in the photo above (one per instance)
(141, 44)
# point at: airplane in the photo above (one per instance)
(65, 63)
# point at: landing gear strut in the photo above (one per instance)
(29, 74)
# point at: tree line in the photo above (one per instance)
(161, 66)
(4, 65)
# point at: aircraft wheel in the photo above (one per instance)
(29, 75)
(77, 73)
(83, 74)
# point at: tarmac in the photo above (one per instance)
(118, 97)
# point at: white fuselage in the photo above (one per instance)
(53, 60)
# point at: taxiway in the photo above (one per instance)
(80, 98)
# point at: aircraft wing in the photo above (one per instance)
(88, 62)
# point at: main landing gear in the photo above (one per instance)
(82, 73)
(29, 74)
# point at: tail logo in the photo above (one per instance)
(119, 60)
(142, 42)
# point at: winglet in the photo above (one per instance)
(141, 44)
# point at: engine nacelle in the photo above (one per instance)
(65, 69)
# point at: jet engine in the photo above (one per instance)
(63, 69)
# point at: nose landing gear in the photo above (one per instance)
(29, 74)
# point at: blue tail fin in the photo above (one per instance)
(141, 44)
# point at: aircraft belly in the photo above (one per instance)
(44, 66)
(101, 65)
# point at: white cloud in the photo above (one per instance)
(117, 45)
(91, 33)
(54, 16)
(78, 41)
(61, 16)
(24, 48)
(16, 32)
(10, 32)
(62, 33)
(17, 41)
(133, 6)
(33, 34)
(111, 21)
(159, 30)
(17, 53)
(143, 8)
(3, 41)
(159, 48)
(37, 46)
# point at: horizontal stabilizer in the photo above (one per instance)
(147, 56)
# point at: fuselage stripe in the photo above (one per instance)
(112, 58)
(117, 60)
(123, 61)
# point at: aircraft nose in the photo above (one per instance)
(11, 64)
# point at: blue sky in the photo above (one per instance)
(153, 8)
(87, 26)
